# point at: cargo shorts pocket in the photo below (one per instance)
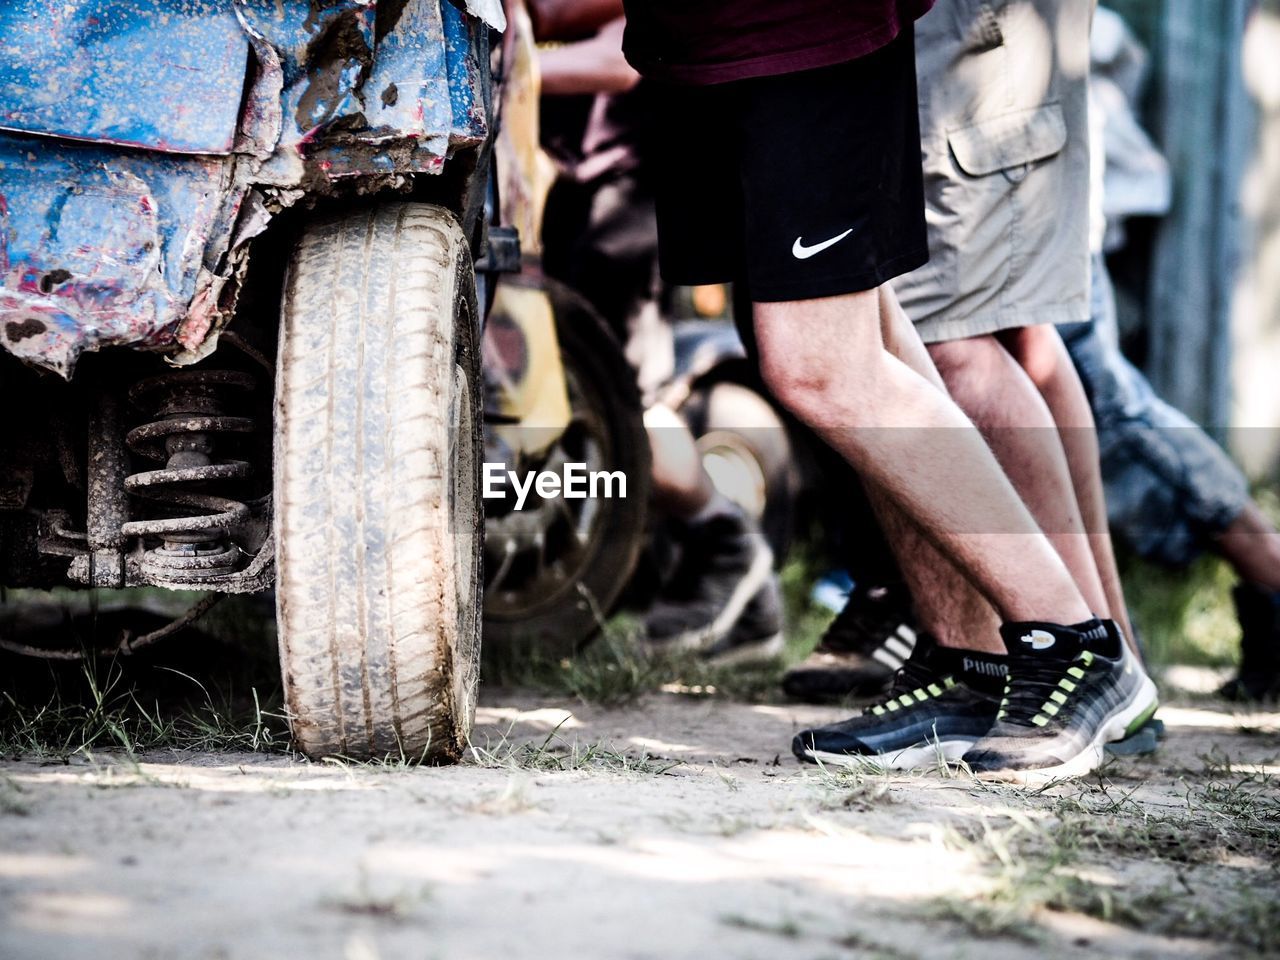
(977, 204)
(1009, 143)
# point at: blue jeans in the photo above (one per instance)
(1169, 487)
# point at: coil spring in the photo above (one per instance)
(189, 416)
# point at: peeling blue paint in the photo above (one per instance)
(191, 113)
(98, 246)
(162, 74)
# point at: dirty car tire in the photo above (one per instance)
(377, 511)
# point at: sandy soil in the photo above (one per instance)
(734, 851)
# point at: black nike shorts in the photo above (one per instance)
(801, 186)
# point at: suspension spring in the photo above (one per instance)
(189, 418)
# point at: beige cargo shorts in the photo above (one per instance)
(1005, 140)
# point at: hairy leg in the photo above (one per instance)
(1041, 353)
(1004, 404)
(998, 396)
(947, 603)
(826, 361)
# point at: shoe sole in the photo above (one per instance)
(697, 641)
(767, 648)
(1128, 719)
(925, 755)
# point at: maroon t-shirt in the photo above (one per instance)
(715, 41)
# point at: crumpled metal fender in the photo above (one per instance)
(99, 248)
(142, 145)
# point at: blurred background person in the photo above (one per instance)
(721, 599)
(1171, 491)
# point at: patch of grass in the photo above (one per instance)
(785, 927)
(1243, 914)
(105, 710)
(395, 761)
(872, 949)
(863, 797)
(611, 671)
(214, 686)
(617, 668)
(364, 902)
(555, 754)
(861, 789)
(1031, 873)
(1243, 808)
(1053, 865)
(1185, 616)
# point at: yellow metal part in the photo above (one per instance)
(525, 172)
(523, 353)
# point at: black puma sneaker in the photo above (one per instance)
(1071, 691)
(862, 649)
(941, 703)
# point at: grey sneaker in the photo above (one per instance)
(1070, 692)
(757, 636)
(725, 562)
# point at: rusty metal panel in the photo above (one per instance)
(467, 52)
(99, 247)
(368, 88)
(406, 113)
(323, 53)
(108, 245)
(162, 74)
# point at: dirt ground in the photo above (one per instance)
(679, 827)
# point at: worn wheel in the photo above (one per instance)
(377, 511)
(554, 570)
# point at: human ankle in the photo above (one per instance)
(988, 646)
(979, 669)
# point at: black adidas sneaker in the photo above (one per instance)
(862, 649)
(1070, 692)
(941, 703)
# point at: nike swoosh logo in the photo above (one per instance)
(801, 252)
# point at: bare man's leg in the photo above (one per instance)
(1039, 350)
(827, 361)
(991, 388)
(946, 692)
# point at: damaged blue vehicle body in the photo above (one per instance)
(144, 143)
(237, 274)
